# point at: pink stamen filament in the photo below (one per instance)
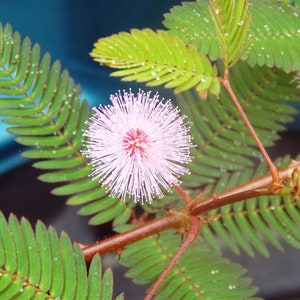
(135, 142)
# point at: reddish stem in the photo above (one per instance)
(179, 219)
(192, 234)
(226, 84)
(119, 241)
(187, 199)
(257, 187)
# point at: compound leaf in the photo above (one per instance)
(273, 36)
(197, 274)
(156, 58)
(39, 264)
(42, 106)
(250, 225)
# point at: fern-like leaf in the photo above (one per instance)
(42, 265)
(250, 225)
(43, 108)
(156, 58)
(224, 157)
(232, 21)
(223, 143)
(199, 274)
(274, 33)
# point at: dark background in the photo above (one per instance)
(68, 29)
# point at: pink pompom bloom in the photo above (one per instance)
(137, 146)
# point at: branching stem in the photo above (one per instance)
(180, 219)
(193, 231)
(255, 188)
(273, 170)
(118, 242)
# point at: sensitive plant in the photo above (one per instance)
(234, 68)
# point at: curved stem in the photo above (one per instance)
(273, 170)
(187, 199)
(192, 234)
(179, 219)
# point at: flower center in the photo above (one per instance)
(135, 142)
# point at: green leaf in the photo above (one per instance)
(197, 274)
(20, 248)
(46, 266)
(34, 267)
(77, 186)
(273, 35)
(8, 246)
(57, 284)
(107, 285)
(232, 21)
(44, 250)
(43, 108)
(61, 163)
(80, 267)
(109, 214)
(250, 224)
(68, 263)
(223, 143)
(94, 278)
(156, 58)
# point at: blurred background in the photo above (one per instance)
(68, 30)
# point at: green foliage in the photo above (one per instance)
(43, 107)
(232, 20)
(193, 277)
(223, 143)
(225, 156)
(156, 58)
(273, 34)
(250, 225)
(43, 265)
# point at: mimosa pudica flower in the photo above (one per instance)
(138, 146)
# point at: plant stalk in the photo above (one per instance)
(255, 188)
(192, 234)
(273, 170)
(118, 242)
(180, 219)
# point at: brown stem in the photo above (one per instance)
(258, 187)
(187, 199)
(179, 219)
(273, 170)
(192, 234)
(119, 241)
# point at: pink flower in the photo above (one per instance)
(137, 146)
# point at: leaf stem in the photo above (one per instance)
(118, 242)
(273, 170)
(194, 227)
(257, 187)
(187, 199)
(180, 219)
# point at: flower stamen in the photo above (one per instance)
(135, 143)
